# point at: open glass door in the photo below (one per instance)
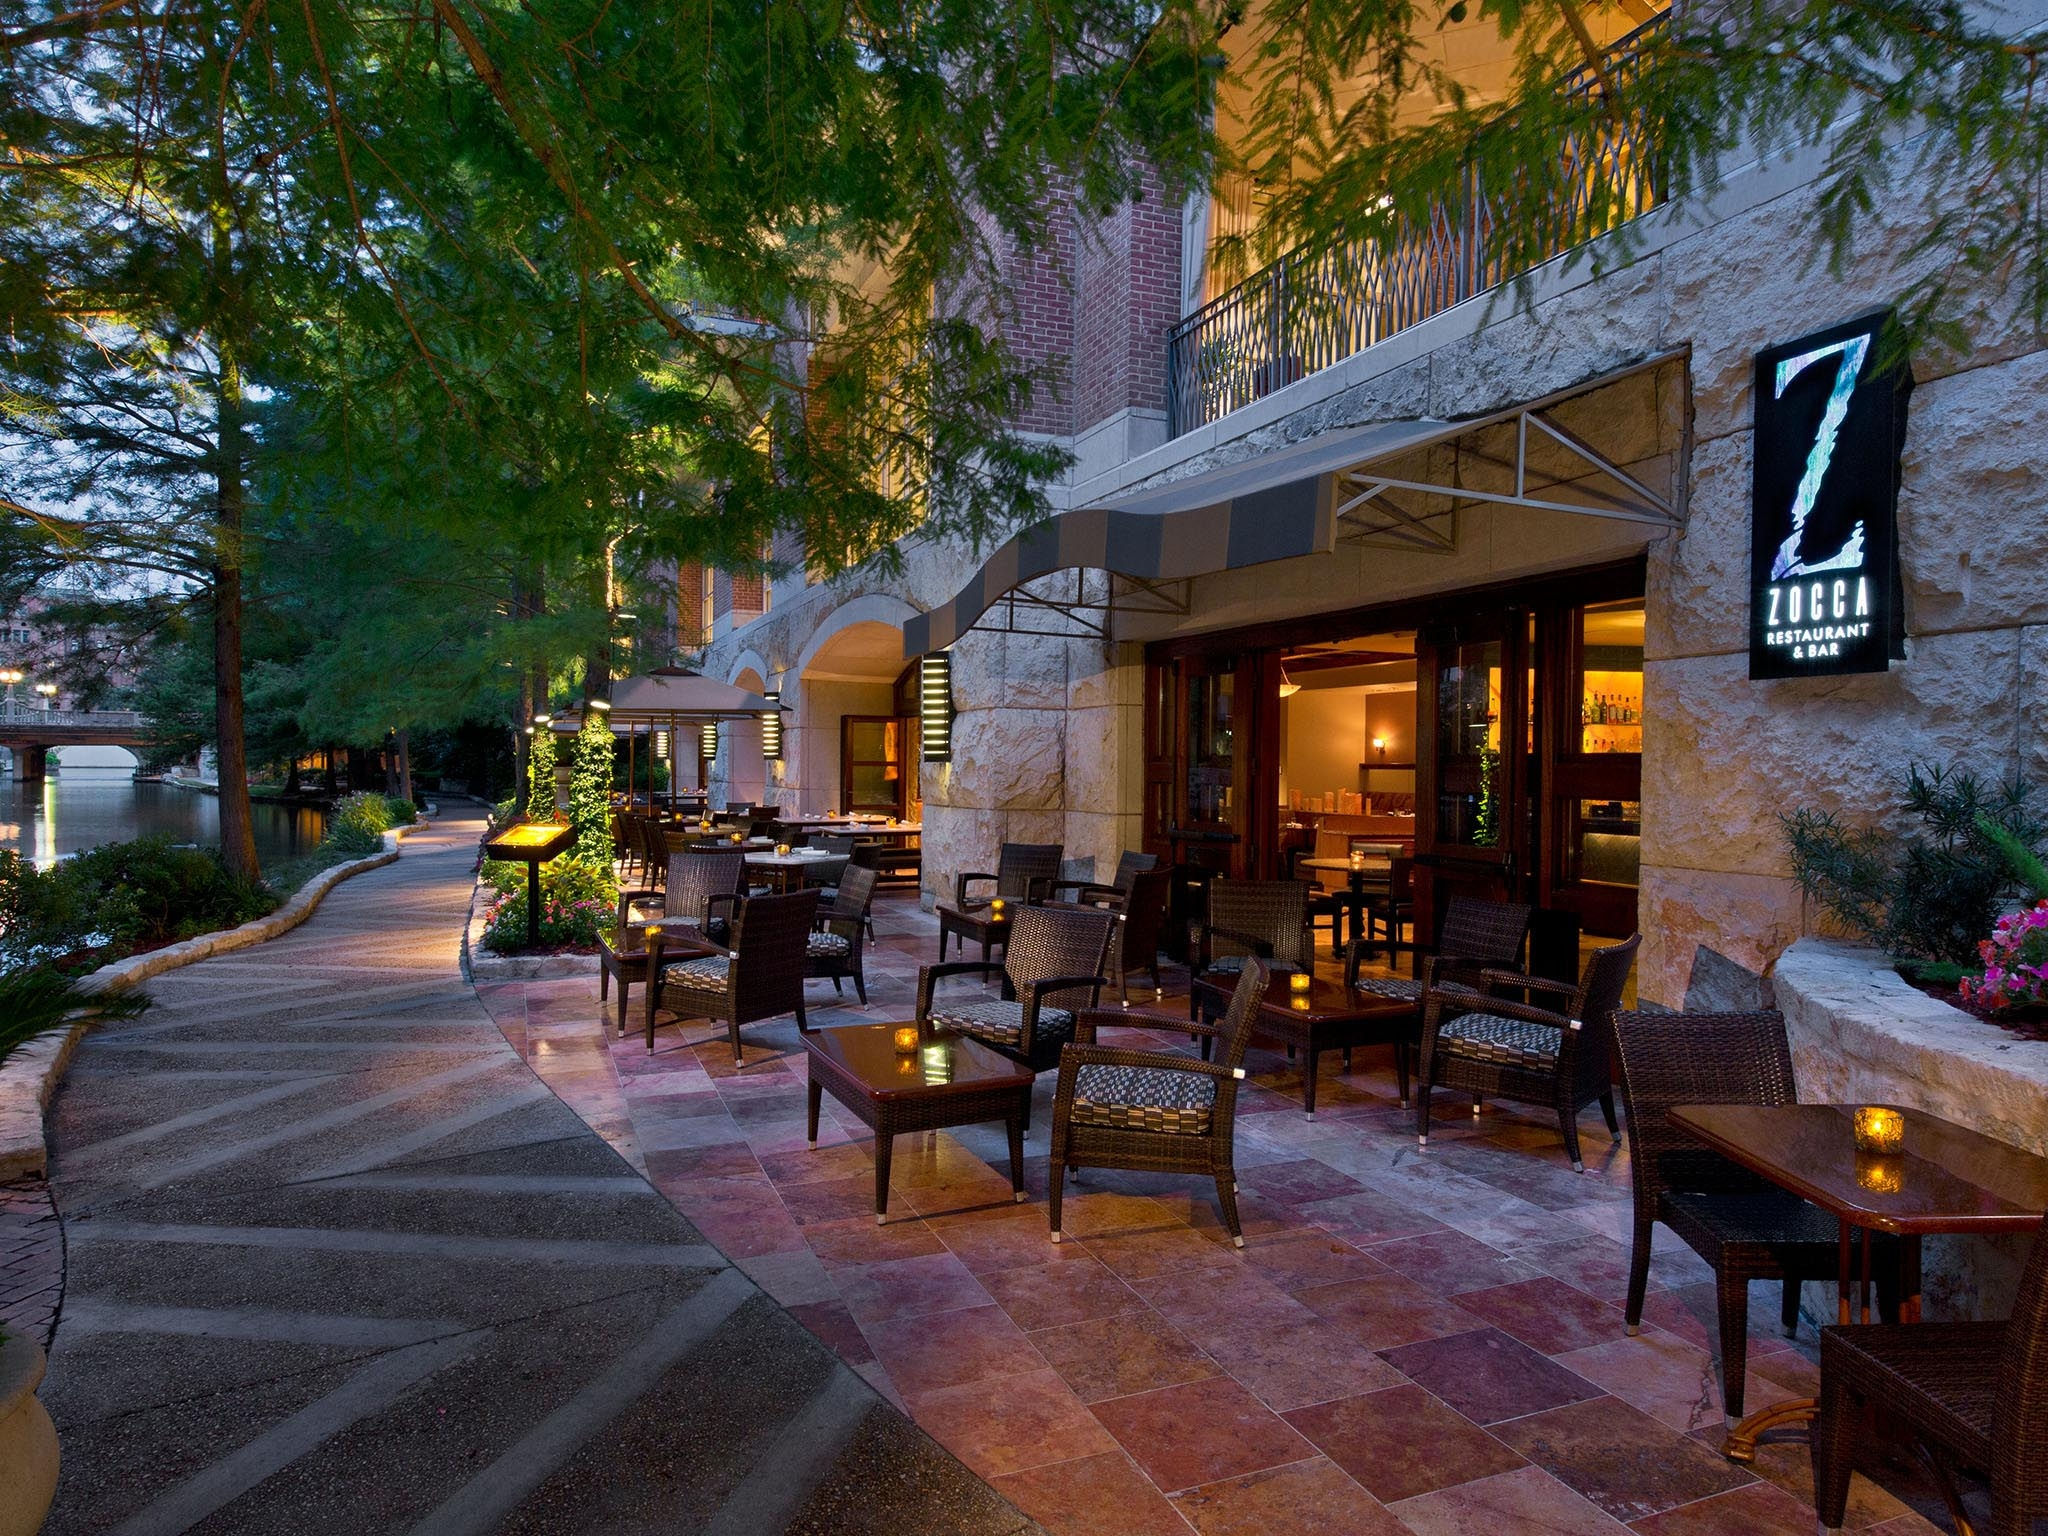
(1473, 767)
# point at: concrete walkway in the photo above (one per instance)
(338, 1261)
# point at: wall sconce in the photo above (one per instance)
(1379, 745)
(661, 745)
(707, 739)
(771, 726)
(935, 707)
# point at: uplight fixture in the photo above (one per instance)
(935, 707)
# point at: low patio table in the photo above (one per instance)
(1329, 1016)
(949, 1080)
(799, 867)
(1946, 1179)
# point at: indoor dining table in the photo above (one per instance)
(1945, 1179)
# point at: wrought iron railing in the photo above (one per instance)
(1312, 309)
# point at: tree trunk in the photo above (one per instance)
(231, 753)
(404, 763)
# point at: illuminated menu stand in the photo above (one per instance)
(531, 843)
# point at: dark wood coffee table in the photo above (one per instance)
(1329, 1016)
(949, 1080)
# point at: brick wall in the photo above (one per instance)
(1127, 293)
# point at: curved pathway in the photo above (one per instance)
(337, 1261)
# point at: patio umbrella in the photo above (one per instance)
(673, 697)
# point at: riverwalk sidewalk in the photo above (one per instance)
(337, 1261)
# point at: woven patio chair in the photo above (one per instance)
(1476, 936)
(1129, 865)
(834, 950)
(1024, 876)
(760, 977)
(1483, 1044)
(1974, 1395)
(1745, 1227)
(622, 955)
(1154, 1111)
(1134, 946)
(704, 885)
(1263, 918)
(1051, 968)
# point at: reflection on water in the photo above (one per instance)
(84, 807)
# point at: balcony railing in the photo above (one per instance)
(1312, 309)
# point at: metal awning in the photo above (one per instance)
(1399, 483)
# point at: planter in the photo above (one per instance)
(28, 1440)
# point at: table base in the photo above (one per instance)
(888, 1121)
(1740, 1446)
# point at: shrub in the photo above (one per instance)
(357, 824)
(572, 924)
(117, 897)
(2015, 977)
(1930, 895)
(400, 812)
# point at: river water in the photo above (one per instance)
(84, 807)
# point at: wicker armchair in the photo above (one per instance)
(1476, 936)
(1745, 1227)
(704, 885)
(1051, 967)
(1135, 944)
(1263, 918)
(1972, 1394)
(760, 977)
(1492, 1048)
(834, 950)
(622, 958)
(1151, 1110)
(1024, 876)
(1129, 865)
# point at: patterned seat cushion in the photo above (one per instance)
(1406, 988)
(1510, 1042)
(828, 946)
(1144, 1099)
(1002, 1023)
(705, 974)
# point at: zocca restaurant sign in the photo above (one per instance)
(1824, 554)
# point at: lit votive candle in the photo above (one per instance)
(782, 850)
(1357, 859)
(906, 1038)
(1879, 1129)
(998, 909)
(738, 838)
(1300, 982)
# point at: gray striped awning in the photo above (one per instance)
(1274, 506)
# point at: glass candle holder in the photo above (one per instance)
(1879, 1130)
(1300, 983)
(738, 838)
(782, 850)
(998, 909)
(1357, 859)
(906, 1038)
(704, 824)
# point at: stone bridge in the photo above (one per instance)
(28, 732)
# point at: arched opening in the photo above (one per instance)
(855, 728)
(739, 747)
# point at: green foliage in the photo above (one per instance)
(37, 1000)
(1931, 895)
(401, 812)
(540, 775)
(107, 901)
(1486, 820)
(2027, 866)
(590, 789)
(356, 826)
(579, 902)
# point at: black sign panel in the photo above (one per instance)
(1824, 551)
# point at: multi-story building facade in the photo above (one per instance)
(1419, 558)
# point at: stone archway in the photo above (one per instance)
(739, 771)
(849, 668)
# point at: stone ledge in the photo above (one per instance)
(1860, 1034)
(30, 1075)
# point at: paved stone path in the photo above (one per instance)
(338, 1261)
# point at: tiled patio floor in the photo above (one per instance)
(1426, 1342)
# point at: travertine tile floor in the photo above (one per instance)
(1411, 1342)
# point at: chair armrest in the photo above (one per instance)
(1480, 1002)
(1522, 981)
(960, 883)
(1088, 1020)
(928, 974)
(1034, 990)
